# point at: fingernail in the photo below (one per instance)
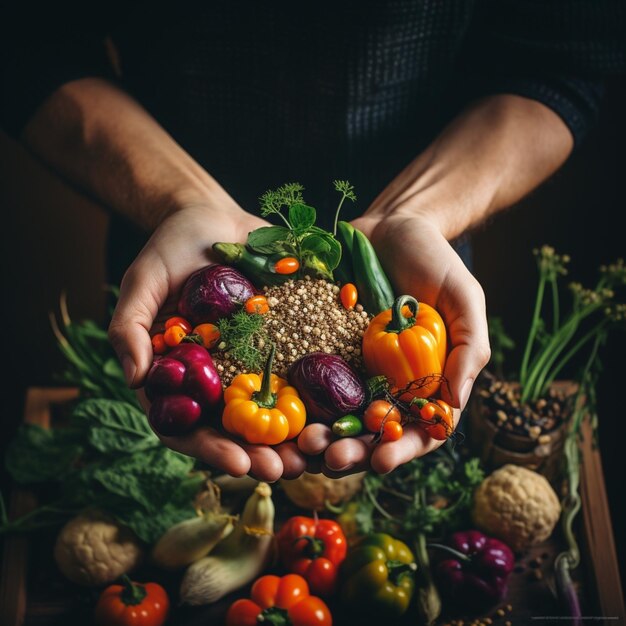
(464, 394)
(130, 369)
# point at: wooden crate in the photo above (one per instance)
(598, 575)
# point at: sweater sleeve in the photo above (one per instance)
(42, 52)
(558, 52)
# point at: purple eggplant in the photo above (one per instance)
(327, 385)
(213, 292)
(475, 574)
(183, 387)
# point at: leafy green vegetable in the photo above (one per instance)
(242, 334)
(317, 249)
(107, 457)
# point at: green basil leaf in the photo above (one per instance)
(301, 216)
(332, 256)
(266, 239)
(315, 244)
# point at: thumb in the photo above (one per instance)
(143, 290)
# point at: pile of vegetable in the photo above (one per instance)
(298, 325)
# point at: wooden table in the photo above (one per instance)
(28, 598)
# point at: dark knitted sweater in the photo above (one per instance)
(261, 93)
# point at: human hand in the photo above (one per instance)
(149, 293)
(420, 262)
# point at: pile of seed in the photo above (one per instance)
(501, 403)
(305, 316)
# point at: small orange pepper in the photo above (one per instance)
(257, 304)
(209, 333)
(263, 409)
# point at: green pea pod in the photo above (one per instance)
(345, 235)
(377, 576)
(347, 426)
(375, 290)
(258, 268)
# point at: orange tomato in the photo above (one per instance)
(378, 413)
(158, 344)
(435, 416)
(287, 265)
(209, 333)
(257, 304)
(173, 335)
(178, 321)
(392, 431)
(348, 296)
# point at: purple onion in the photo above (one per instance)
(327, 385)
(213, 292)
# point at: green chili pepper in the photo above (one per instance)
(347, 426)
(378, 576)
(259, 268)
(375, 290)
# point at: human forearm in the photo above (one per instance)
(488, 158)
(103, 142)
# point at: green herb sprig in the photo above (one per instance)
(317, 249)
(244, 338)
(554, 339)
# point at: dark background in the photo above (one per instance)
(53, 241)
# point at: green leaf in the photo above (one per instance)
(301, 216)
(332, 257)
(38, 455)
(115, 426)
(113, 368)
(316, 244)
(267, 239)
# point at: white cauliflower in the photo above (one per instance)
(516, 505)
(92, 549)
(312, 491)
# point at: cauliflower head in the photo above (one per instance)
(92, 549)
(516, 505)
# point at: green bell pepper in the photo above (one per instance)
(378, 576)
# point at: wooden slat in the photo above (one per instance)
(13, 572)
(599, 532)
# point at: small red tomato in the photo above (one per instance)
(435, 416)
(178, 321)
(158, 344)
(257, 304)
(173, 335)
(378, 413)
(287, 265)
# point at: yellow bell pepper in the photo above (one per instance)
(263, 408)
(407, 343)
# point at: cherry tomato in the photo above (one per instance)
(435, 416)
(158, 344)
(257, 304)
(173, 335)
(287, 265)
(209, 333)
(348, 296)
(392, 431)
(378, 412)
(178, 321)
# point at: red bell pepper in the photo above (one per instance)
(313, 548)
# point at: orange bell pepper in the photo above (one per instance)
(407, 343)
(263, 408)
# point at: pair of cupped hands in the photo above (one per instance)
(419, 261)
